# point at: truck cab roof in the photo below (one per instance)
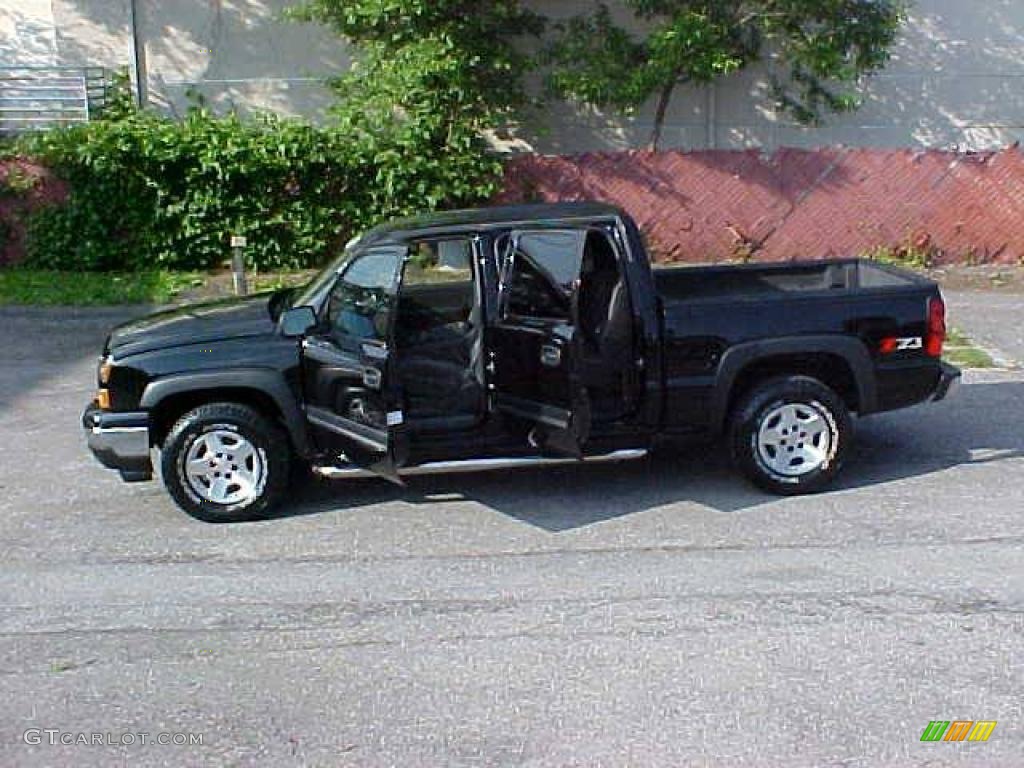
(504, 216)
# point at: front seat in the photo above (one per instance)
(606, 328)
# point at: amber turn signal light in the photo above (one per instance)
(103, 399)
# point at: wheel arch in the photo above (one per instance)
(841, 363)
(167, 399)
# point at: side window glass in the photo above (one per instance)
(360, 304)
(437, 295)
(539, 281)
(439, 261)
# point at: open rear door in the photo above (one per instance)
(353, 397)
(534, 344)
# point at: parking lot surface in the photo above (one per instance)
(993, 320)
(659, 612)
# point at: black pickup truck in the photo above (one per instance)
(506, 336)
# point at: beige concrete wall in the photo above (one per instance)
(956, 80)
(957, 77)
(92, 32)
(236, 53)
(27, 33)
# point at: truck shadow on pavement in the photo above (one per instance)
(982, 424)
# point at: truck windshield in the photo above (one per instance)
(309, 294)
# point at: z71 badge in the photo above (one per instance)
(892, 344)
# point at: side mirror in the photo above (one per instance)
(298, 321)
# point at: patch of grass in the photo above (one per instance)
(56, 288)
(957, 338)
(272, 281)
(963, 353)
(969, 357)
(919, 255)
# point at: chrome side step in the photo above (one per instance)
(482, 465)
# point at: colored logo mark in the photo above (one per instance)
(958, 730)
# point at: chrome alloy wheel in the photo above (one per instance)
(224, 467)
(795, 439)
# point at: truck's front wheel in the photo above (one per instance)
(790, 434)
(225, 462)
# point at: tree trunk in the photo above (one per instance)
(659, 115)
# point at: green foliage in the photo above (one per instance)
(15, 182)
(50, 287)
(149, 191)
(961, 351)
(432, 77)
(821, 48)
(916, 253)
(419, 55)
(118, 101)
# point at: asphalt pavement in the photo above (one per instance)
(993, 320)
(655, 613)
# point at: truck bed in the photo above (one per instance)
(767, 280)
(709, 312)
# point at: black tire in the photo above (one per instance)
(761, 465)
(272, 450)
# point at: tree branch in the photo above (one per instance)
(664, 98)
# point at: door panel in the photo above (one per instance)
(352, 400)
(534, 346)
(532, 369)
(341, 398)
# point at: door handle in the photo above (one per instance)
(372, 378)
(551, 355)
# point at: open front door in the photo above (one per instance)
(534, 344)
(353, 398)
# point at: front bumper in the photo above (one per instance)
(119, 441)
(949, 382)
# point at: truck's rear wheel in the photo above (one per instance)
(789, 435)
(225, 462)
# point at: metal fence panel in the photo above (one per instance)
(37, 98)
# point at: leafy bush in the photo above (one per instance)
(147, 191)
(15, 181)
(916, 252)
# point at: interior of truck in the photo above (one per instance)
(606, 329)
(552, 271)
(439, 334)
(439, 327)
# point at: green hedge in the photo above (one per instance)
(148, 191)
